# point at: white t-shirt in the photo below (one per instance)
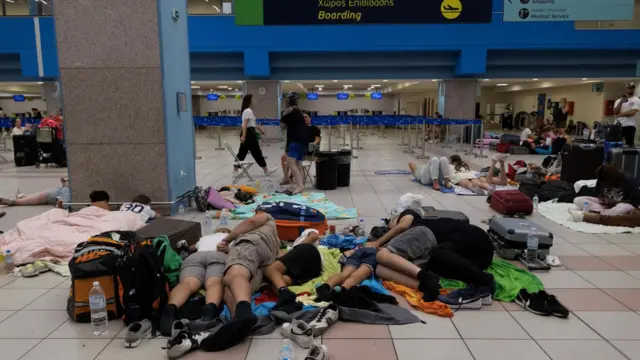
(632, 103)
(15, 131)
(210, 242)
(524, 135)
(247, 114)
(144, 211)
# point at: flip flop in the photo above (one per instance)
(28, 271)
(40, 266)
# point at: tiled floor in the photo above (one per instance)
(599, 282)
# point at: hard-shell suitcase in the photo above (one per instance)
(431, 213)
(509, 236)
(503, 148)
(511, 202)
(627, 160)
(518, 150)
(580, 161)
(175, 229)
(510, 139)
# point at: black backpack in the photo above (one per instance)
(143, 286)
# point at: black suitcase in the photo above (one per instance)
(510, 139)
(431, 213)
(25, 150)
(580, 161)
(612, 132)
(627, 160)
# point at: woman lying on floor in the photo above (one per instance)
(616, 203)
(462, 175)
(55, 197)
(445, 247)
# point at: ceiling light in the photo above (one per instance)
(195, 87)
(193, 82)
(318, 86)
(434, 80)
(40, 83)
(239, 82)
(534, 79)
(223, 87)
(211, 90)
(286, 81)
(375, 86)
(335, 80)
(385, 80)
(502, 84)
(235, 89)
(347, 86)
(585, 79)
(486, 79)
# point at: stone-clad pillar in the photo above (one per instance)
(457, 99)
(124, 65)
(265, 98)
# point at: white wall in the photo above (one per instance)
(326, 105)
(9, 106)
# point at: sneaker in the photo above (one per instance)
(324, 320)
(317, 352)
(500, 157)
(179, 326)
(271, 171)
(484, 293)
(299, 332)
(184, 342)
(554, 306)
(533, 302)
(466, 298)
(136, 332)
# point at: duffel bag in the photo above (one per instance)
(293, 219)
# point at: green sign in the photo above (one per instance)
(343, 12)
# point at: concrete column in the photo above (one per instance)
(51, 97)
(125, 76)
(265, 105)
(457, 99)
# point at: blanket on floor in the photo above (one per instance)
(53, 235)
(318, 201)
(558, 213)
(459, 190)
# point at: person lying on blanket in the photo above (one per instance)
(462, 175)
(359, 265)
(100, 198)
(204, 267)
(55, 197)
(433, 173)
(140, 205)
(301, 264)
(445, 247)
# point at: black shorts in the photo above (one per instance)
(364, 256)
(303, 263)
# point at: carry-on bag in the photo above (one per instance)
(580, 161)
(431, 213)
(293, 219)
(518, 150)
(627, 160)
(511, 202)
(509, 236)
(510, 139)
(503, 148)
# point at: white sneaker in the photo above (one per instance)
(299, 332)
(326, 317)
(317, 352)
(500, 157)
(577, 215)
(270, 171)
(184, 342)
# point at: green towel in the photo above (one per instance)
(509, 280)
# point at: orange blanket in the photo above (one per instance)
(414, 297)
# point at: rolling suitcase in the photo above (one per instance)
(509, 237)
(518, 150)
(511, 202)
(627, 160)
(25, 150)
(174, 229)
(580, 161)
(510, 139)
(431, 213)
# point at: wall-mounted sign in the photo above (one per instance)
(567, 10)
(312, 96)
(376, 96)
(18, 98)
(342, 96)
(213, 97)
(332, 12)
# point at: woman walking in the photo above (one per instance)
(249, 137)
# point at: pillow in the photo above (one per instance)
(217, 201)
(244, 188)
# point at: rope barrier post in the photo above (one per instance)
(402, 132)
(461, 139)
(424, 140)
(408, 150)
(470, 151)
(447, 139)
(481, 155)
(343, 127)
(219, 139)
(353, 155)
(382, 132)
(415, 145)
(329, 125)
(358, 137)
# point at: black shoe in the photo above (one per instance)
(554, 306)
(535, 303)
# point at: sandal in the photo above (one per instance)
(28, 271)
(40, 266)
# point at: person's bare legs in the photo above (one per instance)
(213, 290)
(230, 301)
(238, 279)
(360, 275)
(296, 171)
(29, 200)
(465, 183)
(285, 170)
(276, 274)
(502, 177)
(479, 184)
(388, 274)
(412, 167)
(339, 279)
(181, 293)
(397, 262)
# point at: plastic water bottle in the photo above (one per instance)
(208, 223)
(362, 230)
(585, 207)
(224, 217)
(532, 245)
(536, 201)
(286, 350)
(181, 209)
(382, 222)
(9, 265)
(98, 306)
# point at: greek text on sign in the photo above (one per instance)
(567, 10)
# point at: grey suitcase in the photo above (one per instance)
(627, 160)
(431, 213)
(509, 237)
(518, 150)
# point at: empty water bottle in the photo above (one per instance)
(532, 245)
(362, 231)
(207, 226)
(224, 217)
(383, 222)
(536, 201)
(286, 350)
(98, 306)
(9, 265)
(585, 207)
(181, 209)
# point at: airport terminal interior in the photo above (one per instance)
(159, 112)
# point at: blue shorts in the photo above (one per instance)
(297, 150)
(364, 256)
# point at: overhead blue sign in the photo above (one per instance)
(212, 97)
(312, 96)
(343, 96)
(376, 96)
(567, 10)
(18, 98)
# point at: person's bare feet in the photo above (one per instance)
(436, 184)
(6, 202)
(297, 190)
(60, 204)
(447, 183)
(285, 182)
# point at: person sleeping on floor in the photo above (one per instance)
(56, 197)
(415, 251)
(462, 175)
(616, 201)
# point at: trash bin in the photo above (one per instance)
(344, 167)
(326, 170)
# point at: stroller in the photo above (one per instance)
(50, 151)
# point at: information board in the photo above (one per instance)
(213, 97)
(567, 10)
(312, 96)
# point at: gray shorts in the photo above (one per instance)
(414, 244)
(203, 265)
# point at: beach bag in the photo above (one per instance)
(96, 260)
(171, 260)
(293, 219)
(201, 197)
(217, 201)
(143, 289)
